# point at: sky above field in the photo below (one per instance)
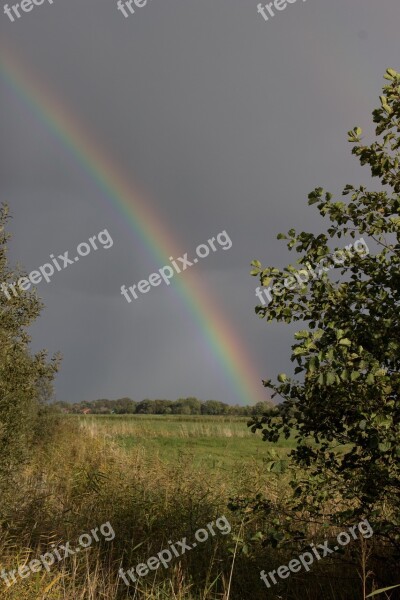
(225, 122)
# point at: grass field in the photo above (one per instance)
(215, 442)
(158, 478)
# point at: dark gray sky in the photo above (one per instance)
(226, 122)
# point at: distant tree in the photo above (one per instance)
(125, 406)
(194, 404)
(180, 409)
(163, 407)
(214, 407)
(146, 407)
(186, 406)
(349, 353)
(241, 411)
(261, 408)
(182, 406)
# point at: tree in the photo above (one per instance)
(25, 378)
(262, 407)
(214, 407)
(146, 407)
(125, 406)
(345, 408)
(163, 407)
(186, 406)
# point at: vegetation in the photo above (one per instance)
(158, 470)
(88, 475)
(345, 408)
(182, 406)
(25, 378)
(217, 443)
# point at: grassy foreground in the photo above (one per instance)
(154, 479)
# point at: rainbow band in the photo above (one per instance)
(218, 334)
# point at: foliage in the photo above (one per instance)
(345, 407)
(24, 377)
(182, 406)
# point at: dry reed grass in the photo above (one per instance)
(84, 479)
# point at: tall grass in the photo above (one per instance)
(151, 426)
(86, 477)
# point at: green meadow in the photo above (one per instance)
(213, 442)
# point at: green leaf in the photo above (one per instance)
(386, 589)
(385, 446)
(266, 281)
(330, 378)
(312, 365)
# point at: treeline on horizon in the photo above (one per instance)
(182, 406)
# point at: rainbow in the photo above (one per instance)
(218, 334)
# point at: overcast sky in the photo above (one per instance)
(225, 121)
